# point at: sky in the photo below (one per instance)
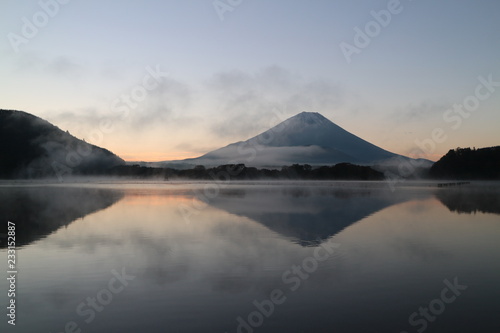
(172, 79)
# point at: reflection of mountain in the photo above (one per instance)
(39, 211)
(307, 215)
(464, 200)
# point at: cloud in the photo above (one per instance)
(423, 112)
(163, 104)
(245, 102)
(32, 63)
(79, 122)
(26, 62)
(229, 106)
(162, 107)
(64, 67)
(110, 72)
(187, 146)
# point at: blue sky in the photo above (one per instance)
(229, 79)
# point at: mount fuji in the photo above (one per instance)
(306, 138)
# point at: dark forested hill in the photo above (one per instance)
(467, 163)
(341, 171)
(31, 147)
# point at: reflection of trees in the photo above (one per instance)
(39, 211)
(469, 201)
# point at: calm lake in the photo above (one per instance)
(252, 257)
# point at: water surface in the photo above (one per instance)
(334, 256)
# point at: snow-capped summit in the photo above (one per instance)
(306, 138)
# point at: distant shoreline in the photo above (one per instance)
(92, 181)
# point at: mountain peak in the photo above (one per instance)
(307, 137)
(310, 115)
(308, 118)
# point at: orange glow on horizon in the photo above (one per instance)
(149, 156)
(174, 156)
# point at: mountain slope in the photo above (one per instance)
(32, 147)
(305, 138)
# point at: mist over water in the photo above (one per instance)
(385, 254)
